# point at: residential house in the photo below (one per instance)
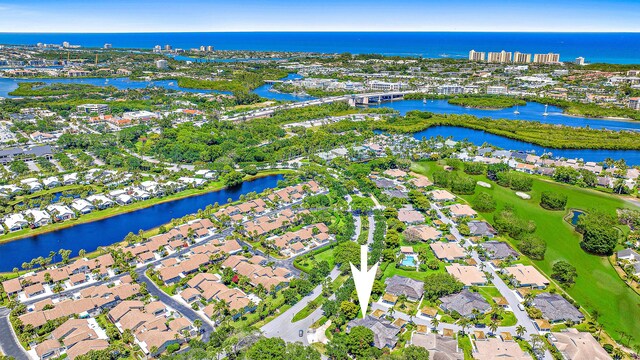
(400, 285)
(526, 276)
(468, 275)
(439, 347)
(464, 303)
(385, 334)
(448, 251)
(576, 345)
(556, 308)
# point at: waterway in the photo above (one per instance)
(90, 236)
(531, 112)
(265, 91)
(7, 85)
(478, 137)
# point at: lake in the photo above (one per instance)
(90, 236)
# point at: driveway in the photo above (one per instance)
(283, 328)
(187, 312)
(8, 342)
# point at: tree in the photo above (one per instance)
(413, 352)
(551, 200)
(599, 234)
(267, 349)
(437, 285)
(359, 341)
(533, 247)
(349, 309)
(564, 272)
(520, 331)
(232, 178)
(484, 202)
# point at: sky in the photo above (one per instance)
(318, 15)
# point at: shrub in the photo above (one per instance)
(553, 201)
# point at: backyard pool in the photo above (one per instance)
(409, 260)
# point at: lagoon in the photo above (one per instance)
(90, 236)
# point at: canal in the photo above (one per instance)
(90, 236)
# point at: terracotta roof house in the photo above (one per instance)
(464, 303)
(410, 216)
(86, 346)
(526, 276)
(495, 348)
(439, 347)
(423, 233)
(468, 275)
(448, 251)
(575, 345)
(49, 349)
(462, 210)
(442, 195)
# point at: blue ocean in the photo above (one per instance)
(620, 48)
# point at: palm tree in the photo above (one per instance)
(464, 324)
(520, 331)
(493, 327)
(434, 323)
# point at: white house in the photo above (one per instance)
(149, 186)
(123, 199)
(51, 182)
(100, 201)
(60, 212)
(196, 182)
(70, 179)
(40, 217)
(82, 206)
(15, 222)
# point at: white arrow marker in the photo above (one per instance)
(364, 279)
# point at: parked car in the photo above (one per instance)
(301, 333)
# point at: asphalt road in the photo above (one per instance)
(187, 312)
(8, 343)
(282, 326)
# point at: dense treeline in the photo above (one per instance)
(42, 89)
(590, 110)
(487, 102)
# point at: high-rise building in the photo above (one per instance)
(209, 48)
(162, 64)
(499, 57)
(497, 90)
(549, 58)
(476, 55)
(521, 58)
(580, 60)
(634, 103)
(157, 48)
(107, 46)
(65, 44)
(167, 47)
(202, 48)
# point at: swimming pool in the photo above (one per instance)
(409, 260)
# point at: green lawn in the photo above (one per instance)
(597, 286)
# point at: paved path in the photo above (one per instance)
(9, 345)
(283, 328)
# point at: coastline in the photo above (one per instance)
(104, 214)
